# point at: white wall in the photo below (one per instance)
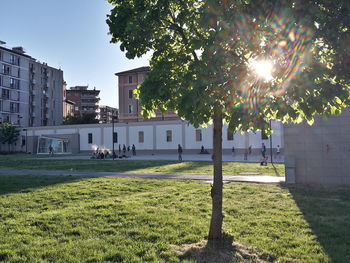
(161, 142)
(155, 136)
(43, 132)
(67, 131)
(107, 136)
(96, 138)
(147, 136)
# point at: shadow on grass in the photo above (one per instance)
(80, 165)
(275, 169)
(25, 183)
(327, 211)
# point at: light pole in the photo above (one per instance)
(271, 144)
(113, 134)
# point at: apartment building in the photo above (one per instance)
(31, 91)
(106, 113)
(14, 84)
(45, 94)
(129, 106)
(85, 100)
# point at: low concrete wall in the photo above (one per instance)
(321, 152)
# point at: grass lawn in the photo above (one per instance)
(167, 167)
(68, 219)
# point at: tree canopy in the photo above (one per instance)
(242, 61)
(85, 118)
(203, 52)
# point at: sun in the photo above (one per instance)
(262, 68)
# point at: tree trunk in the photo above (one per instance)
(215, 230)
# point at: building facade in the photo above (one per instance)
(129, 106)
(31, 92)
(106, 113)
(14, 84)
(148, 137)
(45, 95)
(85, 101)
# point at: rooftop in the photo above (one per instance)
(135, 70)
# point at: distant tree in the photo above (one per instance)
(8, 134)
(242, 62)
(86, 118)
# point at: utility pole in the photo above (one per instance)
(113, 134)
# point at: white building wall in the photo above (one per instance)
(96, 138)
(107, 137)
(66, 131)
(155, 136)
(44, 132)
(207, 137)
(161, 143)
(134, 137)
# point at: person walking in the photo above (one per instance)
(179, 151)
(124, 149)
(133, 149)
(120, 150)
(278, 151)
(263, 150)
(50, 150)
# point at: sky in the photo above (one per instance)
(71, 35)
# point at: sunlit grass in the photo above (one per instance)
(68, 219)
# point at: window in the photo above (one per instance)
(130, 93)
(141, 136)
(5, 94)
(169, 136)
(6, 69)
(115, 137)
(76, 108)
(131, 108)
(14, 83)
(229, 135)
(130, 79)
(14, 107)
(198, 135)
(89, 137)
(14, 59)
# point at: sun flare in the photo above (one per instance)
(262, 68)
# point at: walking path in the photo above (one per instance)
(206, 178)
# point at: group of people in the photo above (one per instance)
(124, 152)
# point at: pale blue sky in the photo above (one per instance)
(70, 34)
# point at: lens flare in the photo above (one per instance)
(263, 68)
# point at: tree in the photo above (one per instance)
(242, 62)
(85, 118)
(8, 134)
